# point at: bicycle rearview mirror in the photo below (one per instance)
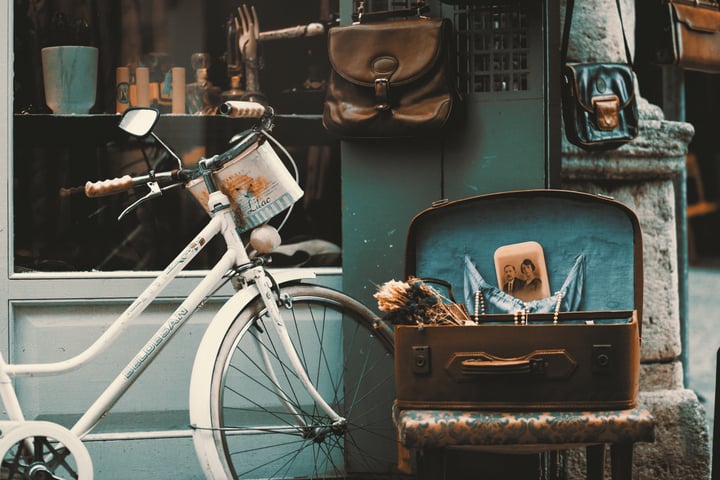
(139, 121)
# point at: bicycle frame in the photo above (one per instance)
(221, 223)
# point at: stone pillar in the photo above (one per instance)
(643, 174)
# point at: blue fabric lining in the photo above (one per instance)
(603, 234)
(497, 301)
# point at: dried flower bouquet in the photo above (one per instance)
(414, 302)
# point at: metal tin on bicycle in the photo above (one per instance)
(258, 184)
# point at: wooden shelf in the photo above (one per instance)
(211, 130)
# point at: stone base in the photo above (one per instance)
(661, 376)
(643, 175)
(681, 448)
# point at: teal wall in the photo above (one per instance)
(506, 140)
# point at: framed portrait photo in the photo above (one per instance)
(521, 271)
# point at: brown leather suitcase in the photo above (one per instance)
(584, 358)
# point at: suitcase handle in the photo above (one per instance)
(495, 367)
(550, 364)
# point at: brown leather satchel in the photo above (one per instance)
(688, 33)
(390, 79)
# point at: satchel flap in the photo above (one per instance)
(606, 111)
(601, 80)
(696, 18)
(398, 51)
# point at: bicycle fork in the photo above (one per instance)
(263, 284)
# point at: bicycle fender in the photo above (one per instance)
(212, 465)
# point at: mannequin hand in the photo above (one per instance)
(249, 29)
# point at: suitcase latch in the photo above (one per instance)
(421, 359)
(602, 358)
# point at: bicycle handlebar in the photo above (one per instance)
(103, 188)
(234, 108)
(238, 108)
(112, 186)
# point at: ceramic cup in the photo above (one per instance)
(70, 78)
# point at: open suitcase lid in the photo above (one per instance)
(565, 223)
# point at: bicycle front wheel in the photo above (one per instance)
(264, 422)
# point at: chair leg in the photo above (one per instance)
(595, 461)
(552, 465)
(621, 458)
(431, 464)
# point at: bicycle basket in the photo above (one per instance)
(256, 181)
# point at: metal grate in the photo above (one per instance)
(493, 47)
(380, 5)
(492, 43)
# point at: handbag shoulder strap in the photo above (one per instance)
(566, 32)
(361, 16)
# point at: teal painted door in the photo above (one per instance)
(384, 184)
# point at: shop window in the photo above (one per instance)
(55, 228)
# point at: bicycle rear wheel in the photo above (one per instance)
(265, 424)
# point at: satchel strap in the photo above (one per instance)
(566, 32)
(361, 16)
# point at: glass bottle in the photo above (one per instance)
(201, 96)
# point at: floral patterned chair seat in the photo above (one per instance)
(524, 432)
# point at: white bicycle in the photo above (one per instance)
(291, 380)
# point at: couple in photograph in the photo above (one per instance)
(526, 284)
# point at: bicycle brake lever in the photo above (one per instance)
(155, 191)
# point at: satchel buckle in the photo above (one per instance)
(606, 111)
(382, 85)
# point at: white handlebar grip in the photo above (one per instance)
(103, 188)
(238, 108)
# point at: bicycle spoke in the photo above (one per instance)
(272, 387)
(350, 438)
(299, 343)
(320, 336)
(375, 387)
(328, 449)
(285, 367)
(257, 467)
(279, 415)
(285, 467)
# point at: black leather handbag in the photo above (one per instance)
(598, 99)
